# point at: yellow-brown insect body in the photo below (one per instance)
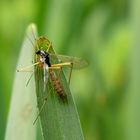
(57, 85)
(46, 65)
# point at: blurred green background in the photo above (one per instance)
(98, 30)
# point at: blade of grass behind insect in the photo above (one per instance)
(59, 118)
(133, 98)
(2, 116)
(60, 25)
(23, 101)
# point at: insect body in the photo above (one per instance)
(57, 85)
(44, 58)
(43, 52)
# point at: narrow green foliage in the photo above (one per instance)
(59, 118)
(133, 98)
(23, 102)
(2, 116)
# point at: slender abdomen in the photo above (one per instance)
(57, 85)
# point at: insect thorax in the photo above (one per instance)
(44, 57)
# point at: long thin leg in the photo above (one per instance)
(61, 64)
(45, 100)
(71, 68)
(25, 68)
(29, 79)
(25, 71)
(39, 111)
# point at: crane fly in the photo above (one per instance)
(43, 59)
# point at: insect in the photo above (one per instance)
(43, 59)
(48, 71)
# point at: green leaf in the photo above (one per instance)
(2, 116)
(59, 118)
(23, 102)
(133, 97)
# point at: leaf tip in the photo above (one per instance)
(31, 27)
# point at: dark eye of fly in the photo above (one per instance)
(42, 53)
(38, 52)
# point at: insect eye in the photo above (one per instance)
(38, 52)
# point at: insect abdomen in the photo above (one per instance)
(57, 85)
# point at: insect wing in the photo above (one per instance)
(46, 75)
(78, 63)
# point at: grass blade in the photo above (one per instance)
(23, 101)
(59, 119)
(133, 96)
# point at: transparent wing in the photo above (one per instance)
(78, 63)
(46, 76)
